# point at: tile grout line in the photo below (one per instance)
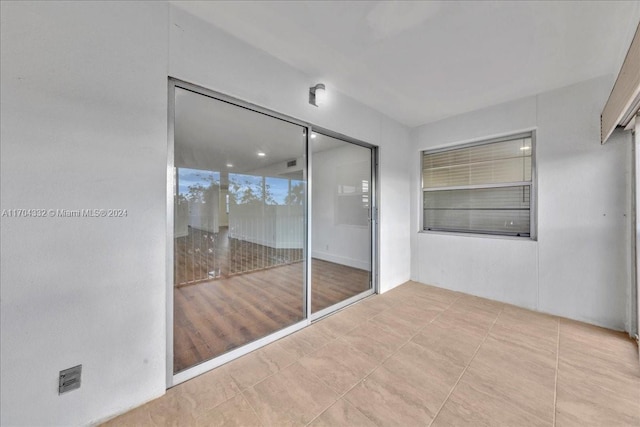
(340, 396)
(297, 361)
(242, 390)
(466, 367)
(252, 408)
(280, 370)
(336, 401)
(383, 361)
(340, 337)
(269, 376)
(555, 385)
(330, 405)
(295, 355)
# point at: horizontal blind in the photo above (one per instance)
(498, 162)
(483, 188)
(503, 210)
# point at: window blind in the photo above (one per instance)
(484, 188)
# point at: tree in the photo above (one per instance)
(197, 191)
(296, 194)
(246, 189)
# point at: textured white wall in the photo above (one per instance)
(207, 56)
(584, 245)
(579, 265)
(84, 125)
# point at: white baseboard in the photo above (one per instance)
(338, 259)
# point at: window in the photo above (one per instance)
(485, 187)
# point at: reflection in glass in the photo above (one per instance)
(239, 228)
(341, 226)
(264, 230)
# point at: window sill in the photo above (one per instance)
(480, 235)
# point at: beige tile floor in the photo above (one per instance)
(418, 356)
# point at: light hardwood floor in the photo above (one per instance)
(211, 318)
(418, 356)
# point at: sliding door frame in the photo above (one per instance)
(635, 235)
(373, 224)
(172, 378)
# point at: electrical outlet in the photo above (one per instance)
(69, 379)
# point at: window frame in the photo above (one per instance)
(533, 207)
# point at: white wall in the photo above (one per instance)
(84, 125)
(340, 243)
(205, 55)
(204, 215)
(275, 226)
(579, 265)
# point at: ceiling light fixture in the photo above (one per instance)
(525, 148)
(317, 95)
(261, 154)
(229, 165)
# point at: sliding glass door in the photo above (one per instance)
(343, 204)
(242, 224)
(239, 227)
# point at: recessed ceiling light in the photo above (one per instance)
(229, 165)
(313, 135)
(525, 148)
(261, 154)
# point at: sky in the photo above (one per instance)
(278, 187)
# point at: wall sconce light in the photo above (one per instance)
(317, 95)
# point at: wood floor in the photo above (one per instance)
(211, 318)
(418, 356)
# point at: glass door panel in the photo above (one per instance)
(239, 227)
(342, 191)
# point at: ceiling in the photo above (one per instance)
(214, 135)
(418, 62)
(211, 134)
